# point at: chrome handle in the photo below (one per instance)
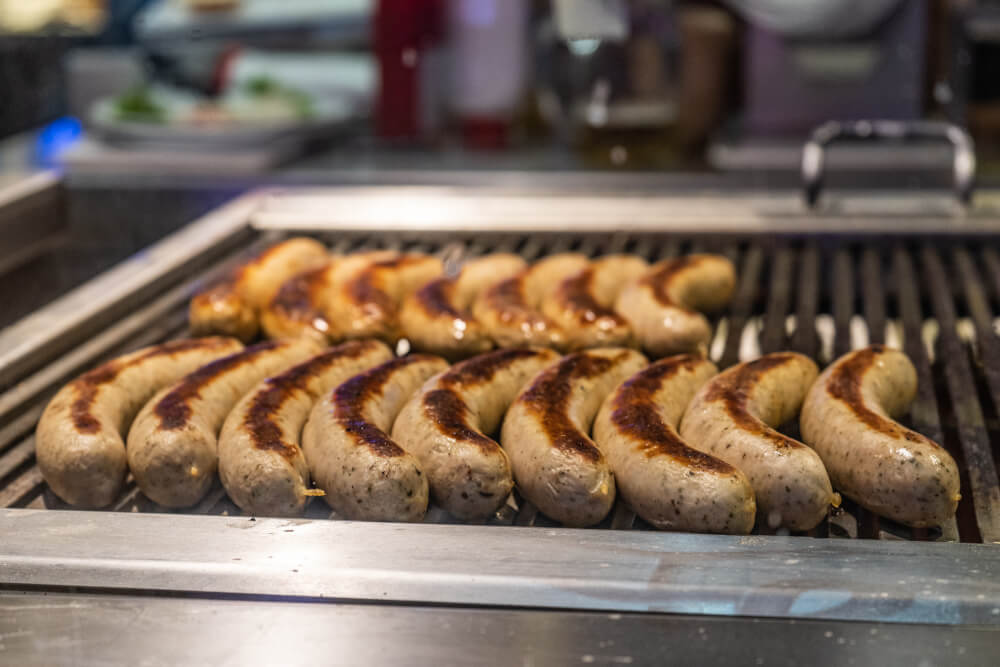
(814, 158)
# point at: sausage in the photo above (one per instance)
(444, 426)
(299, 308)
(663, 304)
(665, 481)
(437, 317)
(556, 466)
(582, 304)
(79, 442)
(261, 463)
(365, 474)
(368, 292)
(173, 442)
(509, 309)
(732, 417)
(232, 307)
(878, 463)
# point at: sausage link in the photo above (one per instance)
(299, 308)
(444, 426)
(556, 466)
(437, 317)
(365, 474)
(233, 306)
(582, 304)
(663, 304)
(80, 443)
(665, 481)
(368, 292)
(732, 417)
(173, 442)
(889, 469)
(509, 309)
(261, 463)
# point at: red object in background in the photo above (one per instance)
(404, 30)
(485, 133)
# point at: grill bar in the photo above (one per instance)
(960, 383)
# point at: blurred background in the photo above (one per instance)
(143, 114)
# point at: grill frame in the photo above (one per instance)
(142, 299)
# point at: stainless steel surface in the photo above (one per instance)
(30, 220)
(113, 293)
(80, 629)
(765, 576)
(963, 163)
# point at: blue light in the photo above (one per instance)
(55, 138)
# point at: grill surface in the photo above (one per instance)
(937, 300)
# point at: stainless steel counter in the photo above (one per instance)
(53, 629)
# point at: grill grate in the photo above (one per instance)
(818, 296)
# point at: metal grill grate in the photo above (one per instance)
(939, 301)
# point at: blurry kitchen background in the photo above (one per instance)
(149, 112)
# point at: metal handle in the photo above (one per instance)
(813, 157)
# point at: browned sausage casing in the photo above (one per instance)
(364, 472)
(261, 463)
(665, 481)
(437, 317)
(299, 308)
(509, 309)
(233, 306)
(732, 417)
(891, 470)
(663, 305)
(173, 443)
(556, 465)
(445, 425)
(582, 304)
(80, 438)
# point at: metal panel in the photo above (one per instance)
(620, 571)
(60, 629)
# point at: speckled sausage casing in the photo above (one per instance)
(173, 442)
(365, 474)
(445, 423)
(556, 466)
(261, 463)
(582, 304)
(663, 305)
(233, 306)
(437, 317)
(732, 417)
(80, 442)
(509, 309)
(668, 483)
(889, 469)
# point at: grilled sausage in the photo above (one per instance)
(445, 425)
(665, 481)
(663, 304)
(80, 443)
(365, 474)
(889, 469)
(556, 466)
(732, 416)
(369, 290)
(261, 463)
(437, 317)
(299, 308)
(509, 309)
(173, 442)
(232, 307)
(582, 304)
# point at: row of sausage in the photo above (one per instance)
(379, 436)
(564, 301)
